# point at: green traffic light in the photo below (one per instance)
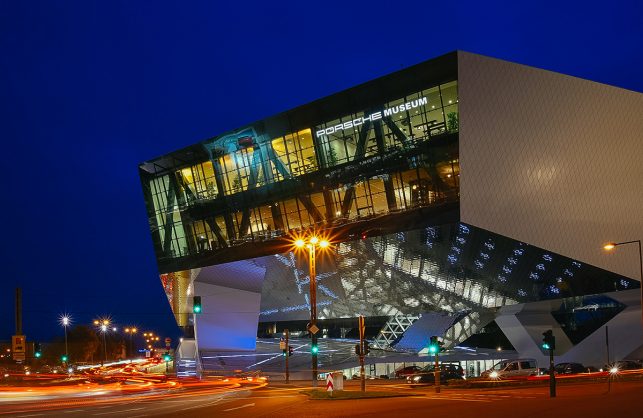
(197, 309)
(167, 357)
(314, 349)
(433, 349)
(64, 358)
(546, 346)
(37, 354)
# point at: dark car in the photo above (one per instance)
(570, 368)
(406, 371)
(448, 372)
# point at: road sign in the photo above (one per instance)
(314, 329)
(282, 345)
(329, 383)
(18, 343)
(18, 347)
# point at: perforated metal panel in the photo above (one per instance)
(551, 160)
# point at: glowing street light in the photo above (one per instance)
(104, 323)
(312, 242)
(612, 245)
(65, 320)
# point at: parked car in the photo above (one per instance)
(448, 371)
(512, 368)
(571, 368)
(406, 371)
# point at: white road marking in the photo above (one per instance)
(31, 415)
(74, 411)
(239, 407)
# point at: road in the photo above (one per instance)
(243, 399)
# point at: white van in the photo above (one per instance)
(512, 368)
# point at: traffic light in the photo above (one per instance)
(37, 353)
(167, 357)
(549, 341)
(357, 350)
(367, 349)
(290, 350)
(64, 358)
(196, 304)
(434, 345)
(314, 349)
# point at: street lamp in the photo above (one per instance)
(65, 320)
(130, 331)
(611, 245)
(103, 325)
(312, 242)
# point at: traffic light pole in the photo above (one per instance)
(552, 377)
(287, 355)
(436, 372)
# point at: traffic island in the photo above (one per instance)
(336, 395)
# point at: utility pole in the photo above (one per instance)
(362, 329)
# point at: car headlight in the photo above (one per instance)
(417, 378)
(493, 375)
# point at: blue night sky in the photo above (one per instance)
(90, 89)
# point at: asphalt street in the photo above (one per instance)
(573, 400)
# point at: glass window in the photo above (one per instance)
(199, 181)
(296, 152)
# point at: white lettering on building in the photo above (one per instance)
(373, 116)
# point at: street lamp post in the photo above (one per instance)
(312, 243)
(102, 325)
(611, 245)
(65, 320)
(131, 331)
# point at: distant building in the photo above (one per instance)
(463, 194)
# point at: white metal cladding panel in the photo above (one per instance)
(551, 160)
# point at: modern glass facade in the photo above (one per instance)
(326, 166)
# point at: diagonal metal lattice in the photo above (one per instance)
(393, 329)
